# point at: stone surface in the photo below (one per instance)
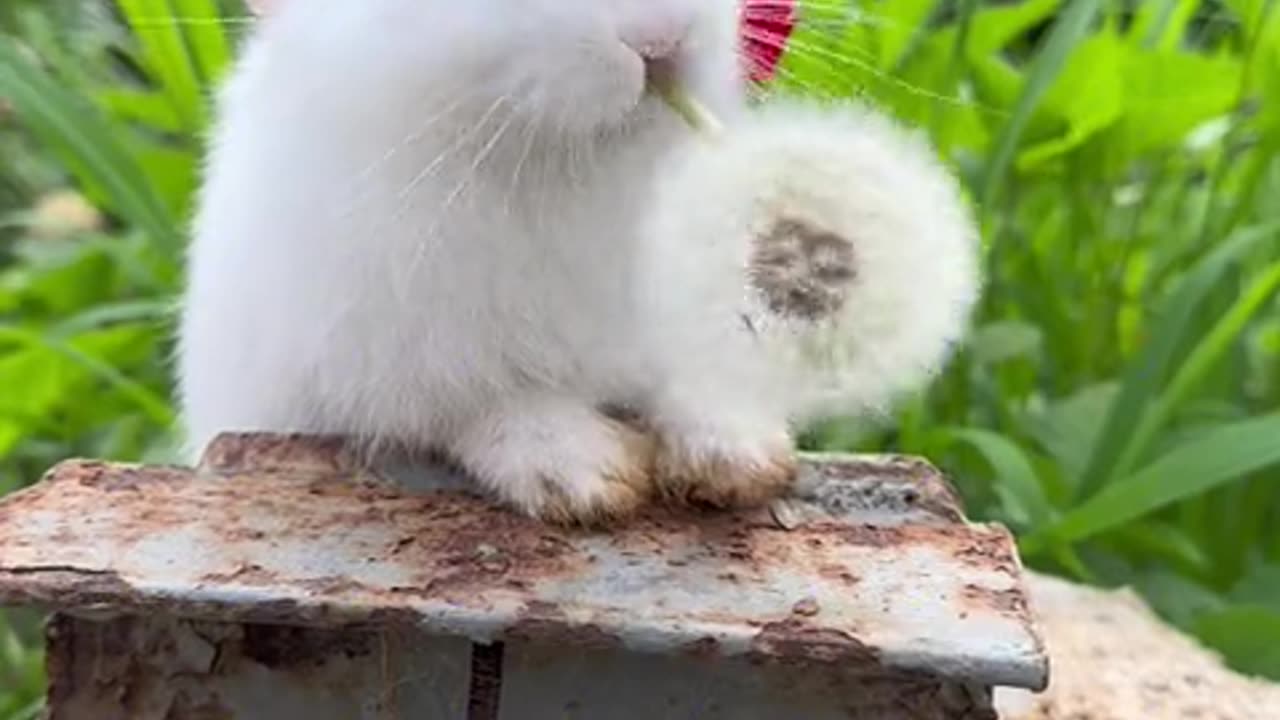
(1113, 659)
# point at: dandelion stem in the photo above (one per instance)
(673, 93)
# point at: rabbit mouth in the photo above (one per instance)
(660, 72)
(658, 50)
(656, 42)
(663, 59)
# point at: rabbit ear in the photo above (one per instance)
(261, 7)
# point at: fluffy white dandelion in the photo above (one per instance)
(832, 235)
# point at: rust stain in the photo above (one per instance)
(244, 452)
(993, 549)
(977, 545)
(1009, 602)
(794, 639)
(55, 586)
(546, 624)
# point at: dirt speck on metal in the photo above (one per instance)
(808, 607)
(545, 623)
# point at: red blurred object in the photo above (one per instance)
(766, 27)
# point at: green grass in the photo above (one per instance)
(1116, 406)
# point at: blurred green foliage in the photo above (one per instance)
(1116, 406)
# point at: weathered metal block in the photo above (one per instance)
(281, 580)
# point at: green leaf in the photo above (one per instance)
(1162, 24)
(898, 23)
(930, 96)
(45, 371)
(1247, 636)
(35, 381)
(814, 63)
(1168, 94)
(1164, 542)
(1005, 340)
(127, 312)
(1208, 352)
(11, 433)
(1086, 98)
(993, 28)
(1177, 599)
(1261, 586)
(1218, 456)
(82, 138)
(144, 106)
(173, 173)
(1068, 429)
(1253, 14)
(997, 82)
(1015, 481)
(1145, 374)
(203, 27)
(165, 57)
(1068, 30)
(60, 277)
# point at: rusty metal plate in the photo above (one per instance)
(159, 668)
(869, 566)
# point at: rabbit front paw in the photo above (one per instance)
(731, 464)
(561, 461)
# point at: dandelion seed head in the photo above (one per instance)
(801, 271)
(838, 238)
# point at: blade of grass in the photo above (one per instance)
(940, 109)
(205, 36)
(993, 27)
(902, 23)
(1071, 26)
(1218, 456)
(1248, 635)
(84, 141)
(156, 406)
(165, 57)
(1169, 543)
(128, 312)
(1146, 373)
(1207, 353)
(1254, 39)
(1163, 24)
(1015, 480)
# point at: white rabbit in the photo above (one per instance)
(420, 225)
